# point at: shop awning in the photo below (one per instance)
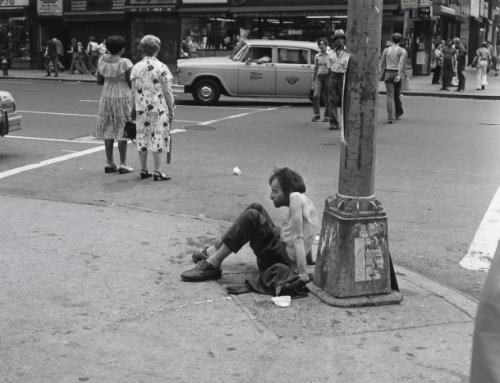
(94, 15)
(203, 11)
(297, 10)
(253, 11)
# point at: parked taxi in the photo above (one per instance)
(255, 68)
(9, 119)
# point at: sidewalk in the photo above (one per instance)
(419, 85)
(103, 302)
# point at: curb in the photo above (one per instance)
(447, 95)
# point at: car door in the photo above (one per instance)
(293, 72)
(257, 73)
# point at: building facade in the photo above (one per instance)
(215, 26)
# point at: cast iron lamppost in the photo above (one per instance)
(353, 267)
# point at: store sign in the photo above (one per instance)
(409, 4)
(204, 1)
(474, 8)
(151, 3)
(14, 3)
(50, 7)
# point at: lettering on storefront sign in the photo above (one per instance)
(14, 3)
(409, 4)
(368, 257)
(118, 4)
(152, 2)
(50, 7)
(78, 5)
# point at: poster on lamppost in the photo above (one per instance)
(50, 7)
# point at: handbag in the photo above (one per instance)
(130, 130)
(100, 79)
(475, 62)
(454, 81)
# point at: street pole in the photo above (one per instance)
(353, 266)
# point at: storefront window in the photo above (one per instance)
(14, 38)
(202, 36)
(208, 34)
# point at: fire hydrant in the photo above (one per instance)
(5, 67)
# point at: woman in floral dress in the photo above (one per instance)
(154, 106)
(115, 106)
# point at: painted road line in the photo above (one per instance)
(485, 242)
(82, 115)
(235, 116)
(220, 107)
(50, 161)
(55, 140)
(18, 82)
(57, 113)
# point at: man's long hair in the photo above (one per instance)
(290, 181)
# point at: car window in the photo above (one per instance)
(260, 55)
(293, 56)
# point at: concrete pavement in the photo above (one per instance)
(419, 85)
(92, 293)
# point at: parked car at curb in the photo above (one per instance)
(9, 119)
(255, 68)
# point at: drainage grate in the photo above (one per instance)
(199, 128)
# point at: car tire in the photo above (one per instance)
(206, 92)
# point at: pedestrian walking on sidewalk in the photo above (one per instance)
(51, 58)
(461, 62)
(448, 53)
(154, 106)
(392, 69)
(483, 62)
(115, 106)
(93, 54)
(339, 59)
(280, 250)
(321, 75)
(438, 62)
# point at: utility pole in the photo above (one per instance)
(353, 266)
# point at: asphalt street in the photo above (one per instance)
(436, 170)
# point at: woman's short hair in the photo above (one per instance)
(290, 181)
(115, 43)
(150, 45)
(484, 44)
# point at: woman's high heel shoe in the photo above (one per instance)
(145, 174)
(159, 176)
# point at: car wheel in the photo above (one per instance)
(206, 92)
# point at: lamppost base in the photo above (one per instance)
(353, 265)
(393, 298)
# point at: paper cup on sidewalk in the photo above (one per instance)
(282, 301)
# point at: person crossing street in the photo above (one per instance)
(320, 81)
(339, 60)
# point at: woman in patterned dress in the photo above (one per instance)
(154, 106)
(115, 105)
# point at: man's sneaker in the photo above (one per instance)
(316, 119)
(333, 127)
(203, 271)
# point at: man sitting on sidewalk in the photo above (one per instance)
(286, 245)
